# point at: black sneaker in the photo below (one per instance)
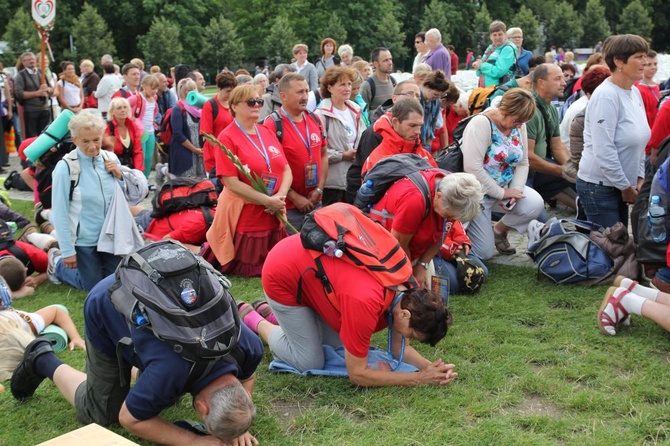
(9, 181)
(24, 379)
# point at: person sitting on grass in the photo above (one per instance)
(102, 395)
(305, 327)
(628, 297)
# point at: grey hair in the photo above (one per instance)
(88, 118)
(259, 78)
(345, 49)
(114, 104)
(422, 69)
(462, 194)
(514, 30)
(231, 412)
(185, 85)
(435, 33)
(279, 69)
(244, 79)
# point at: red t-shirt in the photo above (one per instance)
(213, 127)
(38, 257)
(650, 97)
(254, 217)
(187, 226)
(661, 128)
(296, 152)
(361, 298)
(405, 202)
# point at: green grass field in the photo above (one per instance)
(533, 369)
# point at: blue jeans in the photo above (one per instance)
(69, 276)
(602, 204)
(94, 266)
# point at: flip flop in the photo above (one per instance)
(262, 307)
(620, 313)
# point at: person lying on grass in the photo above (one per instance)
(18, 328)
(363, 310)
(628, 297)
(102, 394)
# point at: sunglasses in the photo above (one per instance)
(254, 102)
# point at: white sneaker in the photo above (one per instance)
(160, 176)
(534, 231)
(54, 256)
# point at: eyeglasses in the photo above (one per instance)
(409, 93)
(254, 102)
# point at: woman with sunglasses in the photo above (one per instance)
(185, 148)
(246, 227)
(495, 150)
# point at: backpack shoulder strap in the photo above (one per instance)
(421, 183)
(318, 122)
(215, 107)
(72, 162)
(373, 87)
(279, 128)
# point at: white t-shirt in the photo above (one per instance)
(347, 118)
(38, 321)
(70, 93)
(148, 118)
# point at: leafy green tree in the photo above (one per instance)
(91, 36)
(280, 41)
(388, 32)
(595, 24)
(334, 28)
(162, 44)
(480, 35)
(437, 16)
(530, 25)
(20, 34)
(221, 45)
(635, 19)
(564, 27)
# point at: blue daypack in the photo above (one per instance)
(566, 255)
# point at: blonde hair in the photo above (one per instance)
(116, 103)
(151, 81)
(242, 93)
(86, 63)
(299, 47)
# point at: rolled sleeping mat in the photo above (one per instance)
(56, 334)
(196, 99)
(50, 137)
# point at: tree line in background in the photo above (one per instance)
(211, 34)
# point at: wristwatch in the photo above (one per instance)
(319, 191)
(424, 264)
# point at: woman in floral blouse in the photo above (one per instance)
(495, 150)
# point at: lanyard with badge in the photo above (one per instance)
(389, 318)
(270, 180)
(311, 169)
(439, 282)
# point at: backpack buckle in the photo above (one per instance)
(155, 277)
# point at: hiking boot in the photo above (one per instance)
(502, 244)
(9, 181)
(30, 229)
(24, 379)
(53, 256)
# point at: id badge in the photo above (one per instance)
(439, 282)
(311, 175)
(270, 181)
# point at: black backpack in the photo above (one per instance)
(389, 170)
(451, 157)
(183, 300)
(279, 127)
(7, 243)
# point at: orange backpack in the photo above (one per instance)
(363, 242)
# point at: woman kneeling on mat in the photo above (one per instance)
(308, 318)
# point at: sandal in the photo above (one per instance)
(262, 307)
(605, 322)
(243, 309)
(617, 283)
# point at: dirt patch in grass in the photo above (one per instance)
(290, 410)
(535, 405)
